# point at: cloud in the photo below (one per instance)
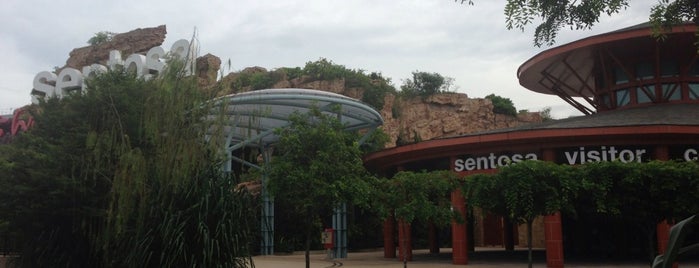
(468, 43)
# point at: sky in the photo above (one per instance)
(467, 43)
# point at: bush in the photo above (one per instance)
(502, 105)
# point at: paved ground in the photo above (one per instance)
(423, 259)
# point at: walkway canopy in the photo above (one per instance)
(250, 120)
(252, 117)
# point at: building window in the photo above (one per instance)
(694, 71)
(644, 71)
(693, 91)
(668, 68)
(620, 76)
(671, 92)
(622, 97)
(606, 102)
(645, 96)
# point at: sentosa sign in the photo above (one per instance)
(48, 84)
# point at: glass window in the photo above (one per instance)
(622, 97)
(672, 92)
(645, 96)
(620, 76)
(606, 102)
(693, 91)
(599, 79)
(669, 68)
(645, 71)
(694, 71)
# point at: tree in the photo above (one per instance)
(578, 15)
(502, 105)
(641, 195)
(121, 176)
(317, 166)
(411, 196)
(426, 84)
(101, 37)
(524, 191)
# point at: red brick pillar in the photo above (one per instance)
(663, 233)
(458, 230)
(389, 248)
(662, 230)
(404, 240)
(553, 230)
(553, 233)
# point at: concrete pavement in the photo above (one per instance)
(423, 259)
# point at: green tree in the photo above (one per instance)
(120, 176)
(317, 166)
(100, 37)
(546, 114)
(411, 196)
(502, 105)
(524, 191)
(641, 194)
(578, 15)
(426, 84)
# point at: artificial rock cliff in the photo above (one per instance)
(414, 119)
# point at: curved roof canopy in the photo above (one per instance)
(251, 117)
(569, 70)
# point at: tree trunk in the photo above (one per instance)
(509, 239)
(403, 246)
(529, 240)
(308, 247)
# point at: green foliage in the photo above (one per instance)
(317, 166)
(120, 177)
(291, 73)
(546, 114)
(256, 81)
(426, 84)
(375, 142)
(578, 15)
(524, 191)
(374, 85)
(557, 14)
(667, 13)
(502, 105)
(100, 37)
(638, 194)
(411, 196)
(324, 69)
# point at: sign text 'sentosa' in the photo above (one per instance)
(48, 84)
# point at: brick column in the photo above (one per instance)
(553, 233)
(389, 248)
(458, 230)
(662, 230)
(663, 233)
(553, 229)
(404, 240)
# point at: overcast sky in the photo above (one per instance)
(467, 43)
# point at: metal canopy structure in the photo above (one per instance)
(250, 120)
(585, 69)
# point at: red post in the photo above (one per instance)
(389, 248)
(663, 233)
(553, 233)
(404, 240)
(458, 230)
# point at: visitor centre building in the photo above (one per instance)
(640, 100)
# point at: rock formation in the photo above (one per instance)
(136, 41)
(410, 120)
